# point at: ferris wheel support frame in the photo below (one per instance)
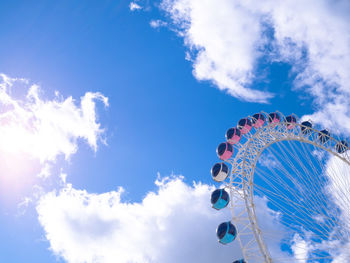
(242, 178)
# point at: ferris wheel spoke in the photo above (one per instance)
(328, 214)
(294, 223)
(314, 199)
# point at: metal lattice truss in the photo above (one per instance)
(241, 184)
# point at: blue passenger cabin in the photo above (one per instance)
(342, 146)
(306, 127)
(226, 232)
(323, 136)
(219, 199)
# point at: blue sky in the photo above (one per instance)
(161, 118)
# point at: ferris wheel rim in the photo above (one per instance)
(295, 134)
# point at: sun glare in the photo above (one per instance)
(18, 174)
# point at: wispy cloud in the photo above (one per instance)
(229, 39)
(34, 132)
(134, 6)
(224, 39)
(158, 23)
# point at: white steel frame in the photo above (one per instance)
(241, 184)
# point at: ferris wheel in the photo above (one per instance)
(288, 186)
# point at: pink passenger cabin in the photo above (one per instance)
(258, 120)
(274, 118)
(233, 135)
(290, 121)
(245, 125)
(224, 151)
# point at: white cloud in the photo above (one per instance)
(268, 160)
(338, 187)
(344, 256)
(300, 249)
(157, 23)
(174, 224)
(336, 191)
(134, 6)
(228, 39)
(44, 129)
